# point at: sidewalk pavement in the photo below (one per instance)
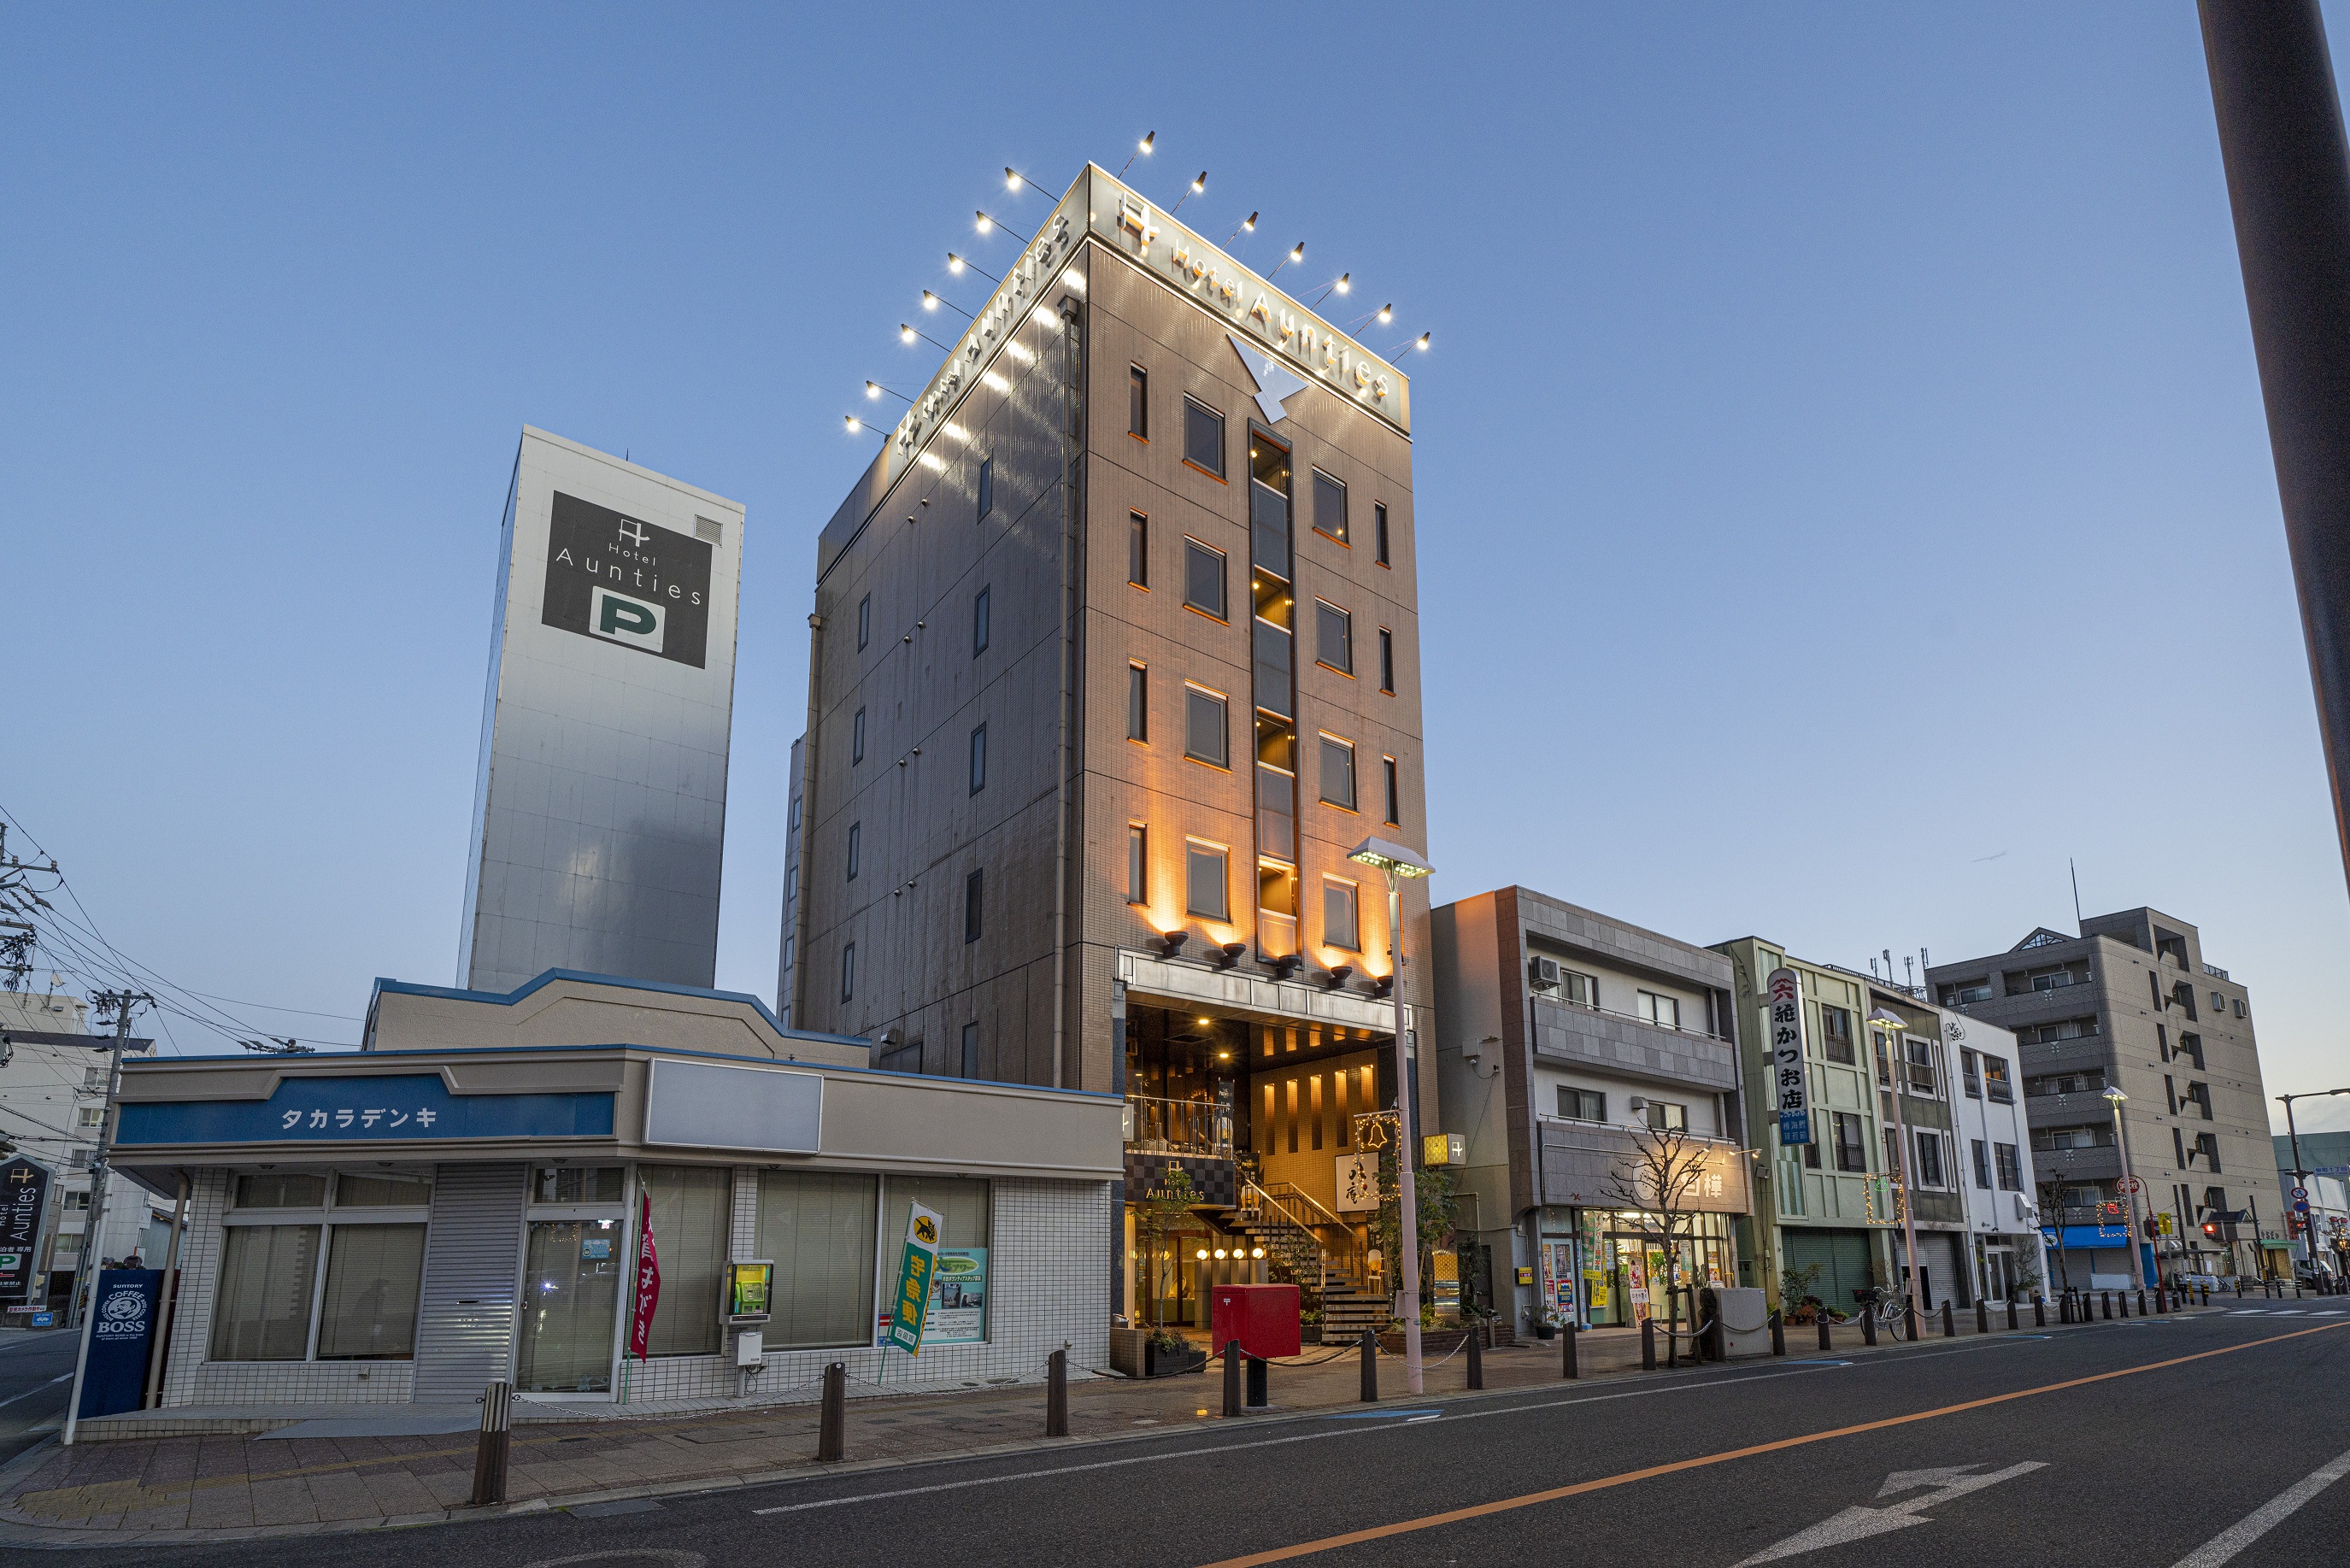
(226, 1485)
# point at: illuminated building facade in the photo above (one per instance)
(1115, 656)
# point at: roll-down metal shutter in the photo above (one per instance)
(473, 1266)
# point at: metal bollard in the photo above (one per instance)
(2141, 1303)
(2106, 1302)
(832, 1424)
(1258, 1398)
(1476, 1361)
(2206, 1295)
(2161, 1301)
(1950, 1320)
(1869, 1326)
(1370, 1367)
(1778, 1336)
(1824, 1329)
(1983, 1316)
(2039, 1312)
(490, 1452)
(1232, 1378)
(1648, 1344)
(1568, 1366)
(1909, 1318)
(1057, 1395)
(2011, 1324)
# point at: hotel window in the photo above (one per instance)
(819, 1228)
(987, 486)
(1137, 402)
(848, 971)
(1206, 728)
(1395, 796)
(1338, 772)
(863, 620)
(1137, 703)
(855, 844)
(970, 1049)
(1203, 437)
(690, 1205)
(979, 622)
(1137, 549)
(856, 743)
(1341, 920)
(1205, 875)
(1387, 662)
(1137, 863)
(269, 1305)
(1836, 1036)
(1983, 1163)
(1851, 1149)
(1329, 506)
(1380, 530)
(971, 886)
(978, 759)
(1334, 636)
(1203, 578)
(1582, 1105)
(1666, 1117)
(1664, 1011)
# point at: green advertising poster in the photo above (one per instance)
(959, 1297)
(912, 1303)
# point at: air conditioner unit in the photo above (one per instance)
(1636, 1102)
(1544, 973)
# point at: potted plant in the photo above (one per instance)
(1167, 1354)
(1545, 1324)
(1309, 1326)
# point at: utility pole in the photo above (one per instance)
(122, 1005)
(1891, 1026)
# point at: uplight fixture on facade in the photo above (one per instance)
(1200, 183)
(1296, 253)
(1012, 181)
(1197, 186)
(987, 223)
(875, 388)
(1386, 314)
(1247, 226)
(1204, 1254)
(905, 333)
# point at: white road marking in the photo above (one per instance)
(1859, 1523)
(2223, 1546)
(35, 1388)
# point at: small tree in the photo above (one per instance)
(1434, 1205)
(1164, 1211)
(1659, 1179)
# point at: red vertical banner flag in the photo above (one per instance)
(648, 1287)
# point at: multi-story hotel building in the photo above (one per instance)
(1115, 657)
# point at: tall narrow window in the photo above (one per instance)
(863, 620)
(1338, 772)
(1395, 795)
(1387, 662)
(1137, 703)
(1137, 549)
(971, 905)
(979, 623)
(856, 741)
(1203, 578)
(978, 759)
(1329, 506)
(856, 843)
(1341, 923)
(971, 1050)
(1379, 531)
(987, 486)
(1137, 402)
(1203, 437)
(1137, 863)
(848, 971)
(1334, 636)
(1206, 874)
(1206, 727)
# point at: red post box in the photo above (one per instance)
(1263, 1318)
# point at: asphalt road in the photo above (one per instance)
(2133, 1443)
(36, 1376)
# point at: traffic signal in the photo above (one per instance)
(2211, 1229)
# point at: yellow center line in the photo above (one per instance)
(1552, 1494)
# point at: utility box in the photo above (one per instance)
(751, 1349)
(1744, 1316)
(1263, 1318)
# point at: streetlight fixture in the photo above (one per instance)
(1897, 1065)
(1398, 865)
(2115, 1098)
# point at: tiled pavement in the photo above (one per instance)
(212, 1486)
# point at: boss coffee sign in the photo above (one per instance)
(617, 579)
(24, 1190)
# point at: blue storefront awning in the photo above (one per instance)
(2081, 1238)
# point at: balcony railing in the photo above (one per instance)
(1559, 1001)
(1156, 1125)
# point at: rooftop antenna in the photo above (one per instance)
(2076, 893)
(1910, 972)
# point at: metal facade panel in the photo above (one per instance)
(473, 1272)
(701, 1105)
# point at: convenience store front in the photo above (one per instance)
(409, 1226)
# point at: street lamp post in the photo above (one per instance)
(2300, 1172)
(1890, 1024)
(2115, 1098)
(1396, 863)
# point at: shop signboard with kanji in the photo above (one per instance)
(1790, 1084)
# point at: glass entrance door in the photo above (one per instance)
(571, 1292)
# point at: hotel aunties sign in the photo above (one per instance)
(23, 1193)
(1790, 1084)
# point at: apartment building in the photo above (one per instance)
(2005, 1250)
(1115, 657)
(2138, 1059)
(1563, 1033)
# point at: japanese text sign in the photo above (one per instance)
(913, 1300)
(1789, 1083)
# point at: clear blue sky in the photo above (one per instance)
(1843, 487)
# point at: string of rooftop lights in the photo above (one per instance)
(1016, 182)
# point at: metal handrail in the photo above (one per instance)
(1349, 1256)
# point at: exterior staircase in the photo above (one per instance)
(1319, 1251)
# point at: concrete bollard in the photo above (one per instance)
(1778, 1336)
(1370, 1367)
(832, 1424)
(1232, 1378)
(490, 1452)
(1567, 1362)
(1648, 1344)
(1476, 1360)
(1057, 1395)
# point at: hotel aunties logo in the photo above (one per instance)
(618, 579)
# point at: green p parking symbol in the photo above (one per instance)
(625, 619)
